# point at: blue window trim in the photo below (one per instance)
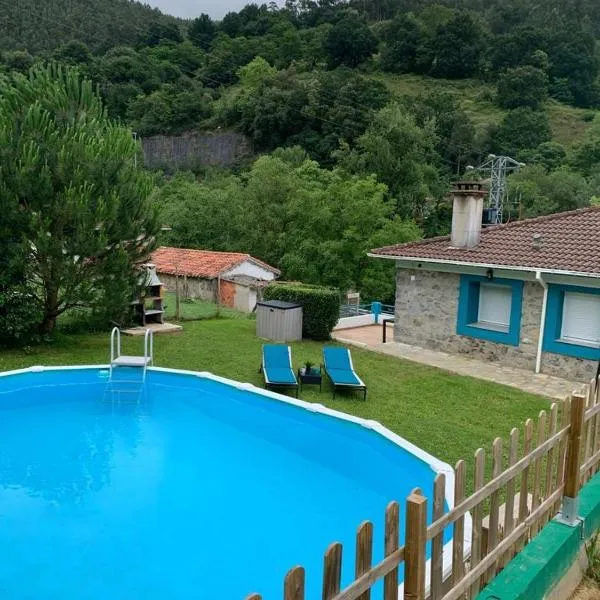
(468, 307)
(553, 326)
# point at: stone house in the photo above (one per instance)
(233, 279)
(525, 294)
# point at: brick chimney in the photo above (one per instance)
(467, 212)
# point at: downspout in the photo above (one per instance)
(538, 359)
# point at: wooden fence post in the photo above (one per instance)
(414, 548)
(392, 533)
(332, 571)
(364, 553)
(437, 543)
(570, 504)
(458, 535)
(293, 585)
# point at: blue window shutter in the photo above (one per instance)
(473, 302)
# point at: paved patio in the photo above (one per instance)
(544, 385)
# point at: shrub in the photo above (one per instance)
(19, 317)
(522, 128)
(321, 306)
(523, 86)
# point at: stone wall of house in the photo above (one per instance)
(191, 287)
(426, 313)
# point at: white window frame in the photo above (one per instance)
(488, 323)
(569, 299)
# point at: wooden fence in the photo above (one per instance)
(529, 477)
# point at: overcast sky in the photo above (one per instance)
(193, 8)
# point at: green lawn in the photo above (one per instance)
(448, 415)
(193, 309)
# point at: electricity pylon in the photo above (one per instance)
(498, 167)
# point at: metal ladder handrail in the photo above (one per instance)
(115, 333)
(148, 345)
(115, 349)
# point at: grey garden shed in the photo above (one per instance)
(280, 321)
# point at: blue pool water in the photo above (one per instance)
(199, 491)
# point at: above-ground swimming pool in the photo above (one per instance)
(195, 487)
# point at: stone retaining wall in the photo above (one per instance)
(194, 150)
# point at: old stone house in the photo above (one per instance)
(525, 294)
(233, 279)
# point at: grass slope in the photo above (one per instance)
(448, 415)
(477, 100)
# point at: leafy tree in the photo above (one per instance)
(551, 155)
(171, 109)
(124, 65)
(186, 57)
(350, 42)
(316, 111)
(315, 224)
(543, 193)
(159, 31)
(70, 170)
(454, 128)
(117, 97)
(229, 54)
(19, 60)
(401, 154)
(74, 53)
(313, 45)
(19, 316)
(231, 24)
(456, 50)
(572, 56)
(523, 86)
(518, 48)
(585, 156)
(202, 31)
(402, 40)
(340, 108)
(218, 199)
(520, 129)
(255, 73)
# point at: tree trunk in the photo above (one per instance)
(48, 324)
(50, 311)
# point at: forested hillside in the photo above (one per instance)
(382, 102)
(100, 24)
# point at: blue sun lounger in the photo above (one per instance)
(340, 370)
(277, 367)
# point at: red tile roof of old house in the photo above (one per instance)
(206, 264)
(567, 242)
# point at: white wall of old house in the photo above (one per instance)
(250, 269)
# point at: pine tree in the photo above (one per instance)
(69, 172)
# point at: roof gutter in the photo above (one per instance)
(538, 358)
(459, 263)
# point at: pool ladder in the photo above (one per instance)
(118, 360)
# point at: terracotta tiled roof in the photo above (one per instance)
(570, 241)
(200, 263)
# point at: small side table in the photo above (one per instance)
(313, 377)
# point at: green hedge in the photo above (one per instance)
(321, 306)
